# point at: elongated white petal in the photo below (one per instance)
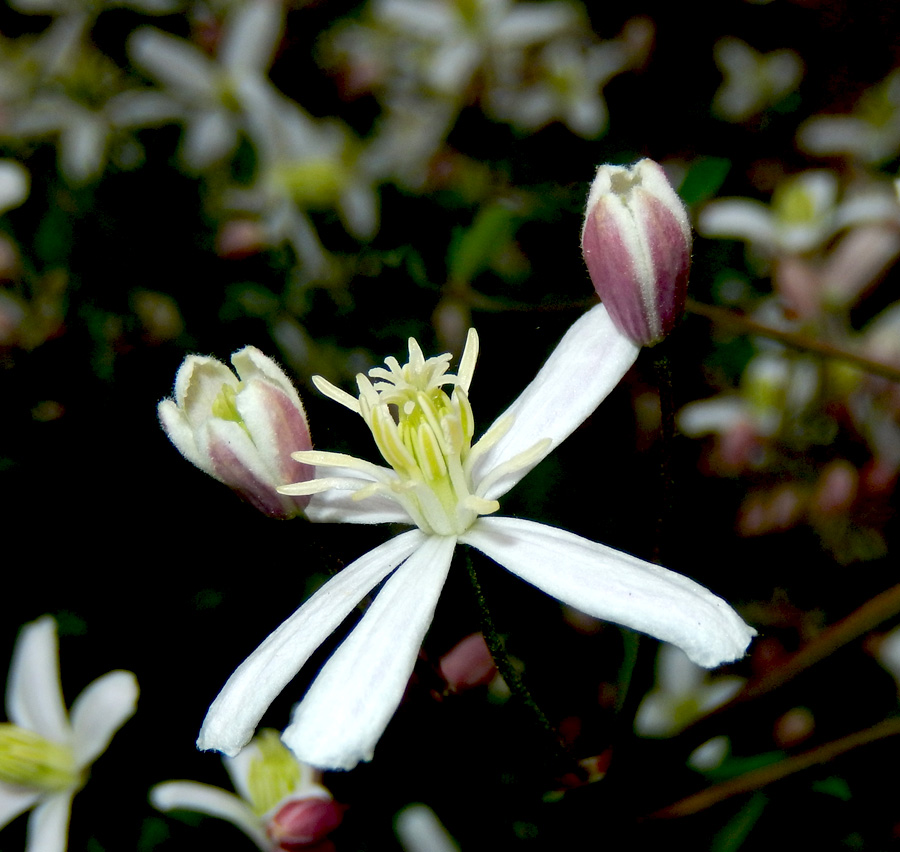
(234, 714)
(586, 365)
(251, 37)
(33, 694)
(48, 825)
(14, 801)
(212, 801)
(615, 586)
(101, 709)
(342, 716)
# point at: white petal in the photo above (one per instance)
(174, 62)
(48, 825)
(615, 586)
(181, 434)
(586, 365)
(339, 506)
(251, 36)
(212, 801)
(33, 694)
(250, 363)
(344, 713)
(209, 138)
(739, 219)
(198, 382)
(419, 830)
(15, 184)
(14, 801)
(101, 709)
(234, 714)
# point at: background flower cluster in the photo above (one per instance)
(324, 179)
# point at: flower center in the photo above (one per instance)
(423, 432)
(273, 775)
(29, 760)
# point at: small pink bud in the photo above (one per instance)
(241, 431)
(636, 242)
(300, 823)
(468, 664)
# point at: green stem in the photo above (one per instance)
(667, 442)
(513, 680)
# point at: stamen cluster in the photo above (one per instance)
(423, 432)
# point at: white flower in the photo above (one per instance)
(45, 756)
(752, 81)
(207, 95)
(871, 133)
(803, 216)
(446, 486)
(275, 791)
(683, 693)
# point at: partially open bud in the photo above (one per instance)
(636, 242)
(241, 431)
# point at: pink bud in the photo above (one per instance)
(636, 242)
(468, 664)
(301, 823)
(241, 431)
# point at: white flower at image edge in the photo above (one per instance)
(45, 755)
(446, 487)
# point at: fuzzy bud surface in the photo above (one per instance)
(636, 242)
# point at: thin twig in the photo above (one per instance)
(721, 316)
(508, 671)
(758, 778)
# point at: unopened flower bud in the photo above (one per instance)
(468, 664)
(301, 823)
(243, 430)
(636, 242)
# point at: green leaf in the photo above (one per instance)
(704, 178)
(472, 249)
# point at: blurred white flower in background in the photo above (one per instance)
(870, 134)
(208, 96)
(45, 755)
(752, 81)
(805, 213)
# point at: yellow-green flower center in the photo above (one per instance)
(425, 434)
(273, 775)
(225, 405)
(793, 203)
(29, 760)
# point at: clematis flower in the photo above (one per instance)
(449, 489)
(280, 803)
(240, 432)
(804, 215)
(44, 755)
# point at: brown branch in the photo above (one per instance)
(729, 319)
(758, 778)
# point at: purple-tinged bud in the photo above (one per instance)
(243, 430)
(636, 242)
(300, 823)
